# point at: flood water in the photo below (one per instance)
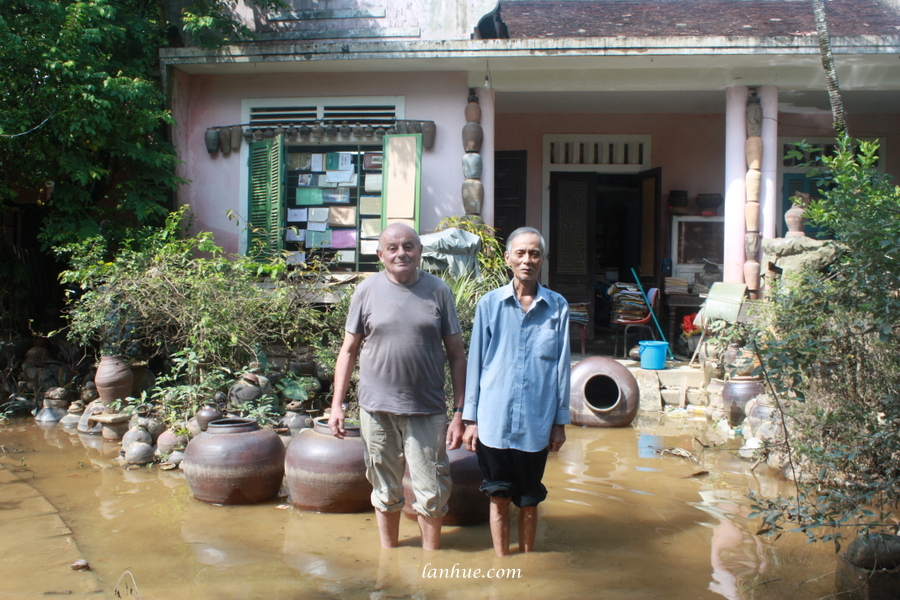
(621, 522)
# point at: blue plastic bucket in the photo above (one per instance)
(653, 354)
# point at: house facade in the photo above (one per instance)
(349, 114)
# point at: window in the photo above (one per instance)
(317, 184)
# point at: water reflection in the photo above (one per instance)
(621, 521)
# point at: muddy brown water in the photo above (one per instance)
(621, 522)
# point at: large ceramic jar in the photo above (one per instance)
(113, 379)
(327, 474)
(604, 394)
(468, 505)
(736, 393)
(234, 462)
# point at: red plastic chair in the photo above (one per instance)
(644, 323)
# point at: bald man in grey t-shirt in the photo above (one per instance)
(407, 320)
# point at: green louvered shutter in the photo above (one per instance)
(266, 191)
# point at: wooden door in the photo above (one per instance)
(509, 191)
(573, 205)
(654, 227)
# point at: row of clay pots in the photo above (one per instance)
(237, 462)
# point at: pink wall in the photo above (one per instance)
(201, 101)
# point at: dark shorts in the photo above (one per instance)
(512, 474)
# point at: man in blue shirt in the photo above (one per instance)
(517, 388)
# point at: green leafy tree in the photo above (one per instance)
(82, 113)
(81, 117)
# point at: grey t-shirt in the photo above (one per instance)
(401, 364)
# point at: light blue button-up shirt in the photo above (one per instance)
(517, 382)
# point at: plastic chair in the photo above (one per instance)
(644, 323)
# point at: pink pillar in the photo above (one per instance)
(769, 217)
(486, 99)
(735, 187)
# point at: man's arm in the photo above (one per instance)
(343, 369)
(563, 377)
(473, 375)
(456, 356)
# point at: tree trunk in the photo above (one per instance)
(831, 78)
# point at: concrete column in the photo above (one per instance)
(486, 99)
(769, 215)
(735, 188)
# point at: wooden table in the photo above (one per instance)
(676, 301)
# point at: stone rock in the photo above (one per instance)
(648, 384)
(875, 551)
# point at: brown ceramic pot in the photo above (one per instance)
(795, 219)
(327, 474)
(468, 505)
(473, 110)
(234, 462)
(604, 394)
(113, 379)
(169, 441)
(209, 413)
(472, 137)
(753, 180)
(473, 196)
(736, 394)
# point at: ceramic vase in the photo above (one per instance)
(472, 164)
(753, 180)
(472, 137)
(473, 196)
(751, 216)
(751, 244)
(225, 140)
(473, 110)
(795, 218)
(113, 379)
(234, 462)
(751, 274)
(429, 133)
(604, 393)
(237, 134)
(753, 149)
(736, 393)
(754, 115)
(327, 474)
(212, 140)
(209, 413)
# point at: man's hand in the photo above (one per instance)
(557, 438)
(470, 437)
(455, 432)
(336, 421)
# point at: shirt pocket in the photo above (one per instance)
(546, 344)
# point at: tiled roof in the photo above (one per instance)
(663, 18)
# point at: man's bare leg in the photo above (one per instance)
(527, 528)
(500, 525)
(388, 528)
(430, 528)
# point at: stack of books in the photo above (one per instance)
(578, 312)
(676, 285)
(628, 303)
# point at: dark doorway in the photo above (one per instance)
(573, 209)
(509, 191)
(603, 226)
